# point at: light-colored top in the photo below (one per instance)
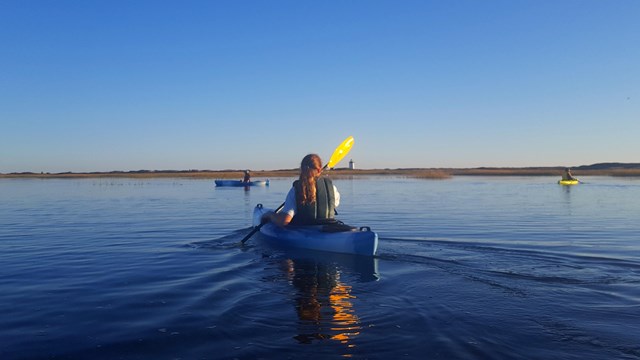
(290, 205)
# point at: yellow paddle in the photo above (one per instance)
(340, 152)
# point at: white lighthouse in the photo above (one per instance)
(351, 165)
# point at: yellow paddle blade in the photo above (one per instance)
(341, 151)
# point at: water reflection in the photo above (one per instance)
(566, 191)
(324, 300)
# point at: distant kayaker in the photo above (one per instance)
(567, 175)
(247, 176)
(311, 200)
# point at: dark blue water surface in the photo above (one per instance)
(467, 268)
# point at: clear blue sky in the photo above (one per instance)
(128, 85)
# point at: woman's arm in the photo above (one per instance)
(284, 217)
(280, 219)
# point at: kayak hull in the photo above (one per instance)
(241, 183)
(361, 241)
(568, 182)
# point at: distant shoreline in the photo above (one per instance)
(612, 169)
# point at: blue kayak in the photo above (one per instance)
(241, 183)
(354, 241)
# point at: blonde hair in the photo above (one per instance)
(310, 167)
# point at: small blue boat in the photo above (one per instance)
(241, 183)
(356, 241)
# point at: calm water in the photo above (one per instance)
(468, 268)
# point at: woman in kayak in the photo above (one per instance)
(567, 175)
(311, 200)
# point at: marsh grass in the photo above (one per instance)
(413, 173)
(626, 172)
(418, 173)
(144, 174)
